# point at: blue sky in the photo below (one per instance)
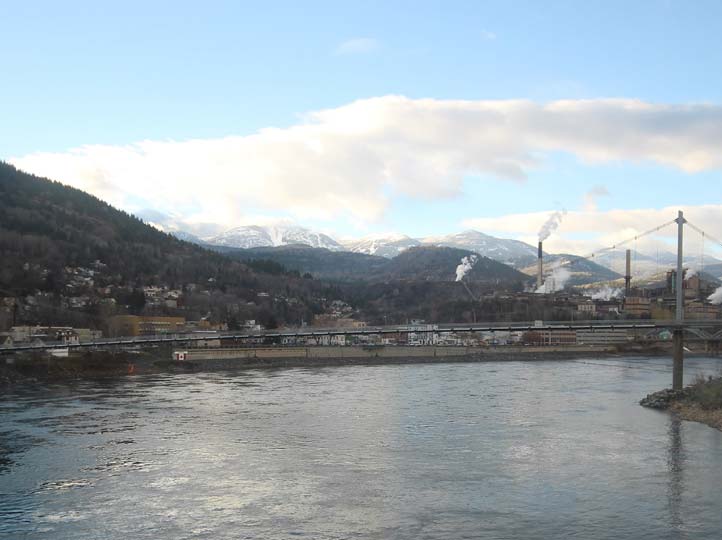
(86, 73)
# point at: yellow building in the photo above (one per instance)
(136, 325)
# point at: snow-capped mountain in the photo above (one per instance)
(187, 237)
(512, 252)
(507, 251)
(252, 236)
(177, 226)
(385, 245)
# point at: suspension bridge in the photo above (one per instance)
(709, 330)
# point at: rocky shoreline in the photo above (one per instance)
(698, 402)
(664, 399)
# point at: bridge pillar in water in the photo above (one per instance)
(678, 364)
(678, 336)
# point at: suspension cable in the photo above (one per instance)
(704, 234)
(701, 257)
(622, 243)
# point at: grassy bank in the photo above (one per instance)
(703, 403)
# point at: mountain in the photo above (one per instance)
(46, 226)
(253, 236)
(188, 237)
(512, 252)
(70, 259)
(176, 225)
(420, 263)
(650, 264)
(582, 271)
(714, 270)
(382, 245)
(432, 263)
(320, 262)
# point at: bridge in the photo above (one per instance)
(707, 330)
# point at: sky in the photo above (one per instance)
(362, 118)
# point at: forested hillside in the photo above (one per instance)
(423, 263)
(68, 258)
(54, 226)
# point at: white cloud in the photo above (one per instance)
(351, 160)
(360, 45)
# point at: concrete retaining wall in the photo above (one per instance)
(377, 352)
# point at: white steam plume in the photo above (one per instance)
(551, 224)
(716, 297)
(607, 293)
(591, 196)
(555, 281)
(467, 263)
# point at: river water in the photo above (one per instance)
(478, 450)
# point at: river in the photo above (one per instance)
(477, 450)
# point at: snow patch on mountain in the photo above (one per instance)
(512, 252)
(382, 245)
(252, 236)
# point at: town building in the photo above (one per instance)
(136, 325)
(600, 336)
(637, 306)
(698, 310)
(559, 337)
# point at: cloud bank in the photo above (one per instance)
(349, 161)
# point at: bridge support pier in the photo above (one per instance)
(678, 365)
(678, 336)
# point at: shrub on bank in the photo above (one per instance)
(707, 393)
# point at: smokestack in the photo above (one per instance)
(628, 274)
(540, 268)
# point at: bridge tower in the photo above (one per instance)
(678, 335)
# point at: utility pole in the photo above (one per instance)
(678, 336)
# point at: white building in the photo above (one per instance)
(602, 336)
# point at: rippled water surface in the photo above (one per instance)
(488, 450)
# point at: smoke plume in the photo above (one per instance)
(716, 297)
(555, 281)
(467, 263)
(551, 224)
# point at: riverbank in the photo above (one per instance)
(699, 402)
(99, 364)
